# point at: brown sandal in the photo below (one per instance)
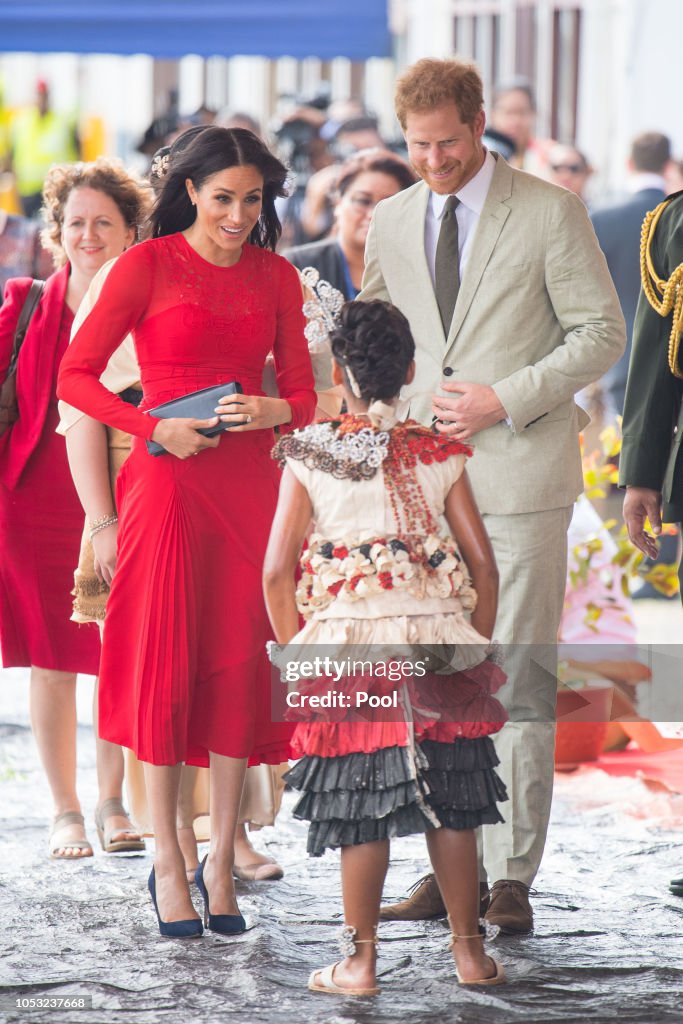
(114, 808)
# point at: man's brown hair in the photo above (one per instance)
(651, 152)
(432, 83)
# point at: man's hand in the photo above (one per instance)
(640, 504)
(476, 408)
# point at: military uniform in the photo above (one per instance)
(652, 454)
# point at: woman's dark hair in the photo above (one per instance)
(214, 150)
(383, 161)
(161, 161)
(374, 341)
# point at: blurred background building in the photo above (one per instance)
(601, 70)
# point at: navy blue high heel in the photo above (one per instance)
(173, 929)
(224, 924)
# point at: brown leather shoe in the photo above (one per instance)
(424, 902)
(509, 907)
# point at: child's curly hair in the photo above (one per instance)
(131, 195)
(373, 340)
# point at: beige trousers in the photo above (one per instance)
(531, 552)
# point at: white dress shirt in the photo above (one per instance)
(646, 179)
(472, 197)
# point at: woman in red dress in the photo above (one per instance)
(91, 212)
(184, 676)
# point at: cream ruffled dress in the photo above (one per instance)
(382, 582)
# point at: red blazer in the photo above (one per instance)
(35, 368)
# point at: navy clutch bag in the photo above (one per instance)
(199, 405)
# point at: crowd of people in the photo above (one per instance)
(444, 312)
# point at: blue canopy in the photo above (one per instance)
(357, 29)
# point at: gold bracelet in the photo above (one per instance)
(102, 519)
(104, 524)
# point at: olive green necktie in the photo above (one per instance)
(447, 264)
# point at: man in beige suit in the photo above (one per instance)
(513, 311)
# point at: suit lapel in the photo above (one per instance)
(493, 217)
(412, 240)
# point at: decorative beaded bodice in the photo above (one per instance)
(352, 448)
(380, 533)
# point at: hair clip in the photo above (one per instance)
(321, 309)
(355, 388)
(161, 163)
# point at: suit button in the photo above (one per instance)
(447, 371)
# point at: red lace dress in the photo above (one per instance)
(183, 668)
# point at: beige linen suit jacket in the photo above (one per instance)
(537, 317)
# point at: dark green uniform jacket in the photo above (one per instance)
(652, 454)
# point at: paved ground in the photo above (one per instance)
(607, 943)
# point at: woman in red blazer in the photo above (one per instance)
(92, 212)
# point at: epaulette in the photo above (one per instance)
(671, 291)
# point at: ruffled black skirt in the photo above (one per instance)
(361, 798)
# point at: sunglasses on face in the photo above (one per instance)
(362, 202)
(568, 168)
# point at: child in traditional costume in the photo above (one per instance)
(394, 535)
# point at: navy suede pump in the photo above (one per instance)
(224, 924)
(173, 929)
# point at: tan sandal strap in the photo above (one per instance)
(454, 935)
(326, 977)
(348, 940)
(62, 822)
(109, 809)
(352, 935)
(67, 818)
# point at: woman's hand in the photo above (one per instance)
(253, 412)
(181, 437)
(104, 548)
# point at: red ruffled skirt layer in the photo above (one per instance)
(440, 708)
(184, 669)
